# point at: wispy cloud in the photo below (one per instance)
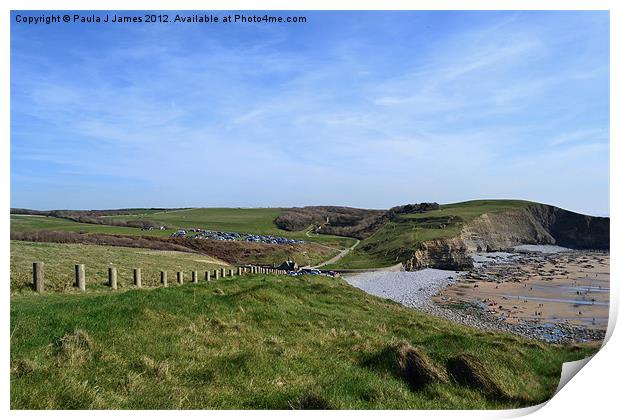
(329, 113)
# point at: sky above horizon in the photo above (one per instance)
(363, 109)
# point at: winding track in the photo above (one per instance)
(339, 256)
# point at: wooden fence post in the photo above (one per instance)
(112, 278)
(38, 276)
(194, 276)
(137, 277)
(164, 278)
(180, 277)
(239, 271)
(208, 275)
(223, 272)
(217, 274)
(80, 277)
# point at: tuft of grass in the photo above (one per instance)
(469, 371)
(21, 367)
(157, 370)
(74, 348)
(310, 400)
(416, 367)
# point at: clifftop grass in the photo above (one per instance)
(255, 342)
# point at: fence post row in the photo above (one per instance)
(38, 275)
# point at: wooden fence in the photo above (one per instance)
(38, 275)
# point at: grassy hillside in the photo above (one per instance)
(398, 239)
(256, 342)
(60, 260)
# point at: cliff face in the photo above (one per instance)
(537, 224)
(445, 254)
(573, 230)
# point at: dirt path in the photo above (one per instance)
(339, 256)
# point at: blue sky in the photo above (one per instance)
(367, 109)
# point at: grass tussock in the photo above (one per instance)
(469, 371)
(310, 400)
(416, 367)
(159, 370)
(75, 348)
(22, 366)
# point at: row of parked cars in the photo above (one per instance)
(311, 271)
(195, 233)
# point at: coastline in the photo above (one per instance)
(528, 292)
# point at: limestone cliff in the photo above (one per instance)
(501, 231)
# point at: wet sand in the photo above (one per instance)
(567, 287)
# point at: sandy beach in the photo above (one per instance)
(544, 292)
(565, 287)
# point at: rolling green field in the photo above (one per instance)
(256, 220)
(26, 223)
(400, 237)
(251, 220)
(259, 221)
(60, 260)
(256, 342)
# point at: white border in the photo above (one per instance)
(590, 395)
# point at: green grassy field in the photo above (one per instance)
(251, 220)
(244, 220)
(255, 342)
(27, 223)
(399, 238)
(255, 220)
(60, 260)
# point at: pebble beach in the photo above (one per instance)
(475, 297)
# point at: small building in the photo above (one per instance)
(289, 265)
